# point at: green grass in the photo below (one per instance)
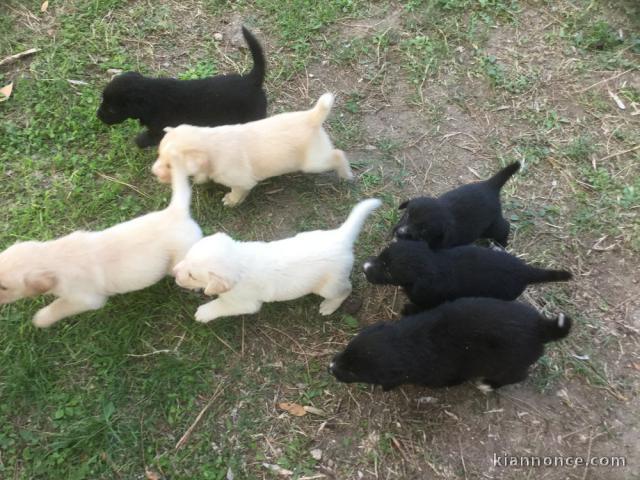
(107, 394)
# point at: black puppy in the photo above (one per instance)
(472, 338)
(431, 277)
(167, 102)
(458, 217)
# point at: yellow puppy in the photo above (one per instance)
(239, 156)
(83, 268)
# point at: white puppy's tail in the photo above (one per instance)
(181, 189)
(350, 229)
(321, 109)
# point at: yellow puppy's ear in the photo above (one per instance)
(217, 285)
(38, 283)
(195, 161)
(177, 268)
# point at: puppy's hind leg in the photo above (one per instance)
(65, 307)
(498, 231)
(341, 164)
(335, 291)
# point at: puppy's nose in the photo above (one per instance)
(403, 230)
(367, 265)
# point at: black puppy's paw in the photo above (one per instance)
(411, 309)
(147, 139)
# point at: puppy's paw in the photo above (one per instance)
(410, 309)
(229, 200)
(496, 247)
(347, 175)
(205, 314)
(327, 307)
(484, 387)
(144, 140)
(42, 319)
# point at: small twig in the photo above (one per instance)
(13, 58)
(223, 342)
(606, 80)
(464, 467)
(113, 179)
(189, 431)
(586, 467)
(632, 149)
(155, 352)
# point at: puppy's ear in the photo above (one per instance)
(177, 267)
(195, 162)
(167, 129)
(217, 285)
(403, 205)
(38, 283)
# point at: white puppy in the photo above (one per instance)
(239, 156)
(84, 268)
(246, 274)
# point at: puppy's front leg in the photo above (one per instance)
(235, 196)
(149, 138)
(219, 308)
(64, 307)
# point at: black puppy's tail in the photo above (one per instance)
(259, 66)
(500, 178)
(540, 275)
(554, 329)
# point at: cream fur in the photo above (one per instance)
(240, 156)
(244, 275)
(84, 268)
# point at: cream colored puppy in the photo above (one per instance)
(244, 275)
(84, 268)
(239, 156)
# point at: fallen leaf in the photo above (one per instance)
(151, 475)
(292, 408)
(44, 6)
(77, 82)
(5, 92)
(278, 469)
(316, 453)
(314, 410)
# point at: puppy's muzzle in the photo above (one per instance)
(368, 264)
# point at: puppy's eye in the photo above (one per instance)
(2, 287)
(191, 276)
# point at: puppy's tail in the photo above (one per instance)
(256, 75)
(540, 275)
(181, 189)
(321, 109)
(350, 229)
(500, 178)
(554, 329)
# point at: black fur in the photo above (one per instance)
(166, 102)
(472, 338)
(458, 217)
(431, 277)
